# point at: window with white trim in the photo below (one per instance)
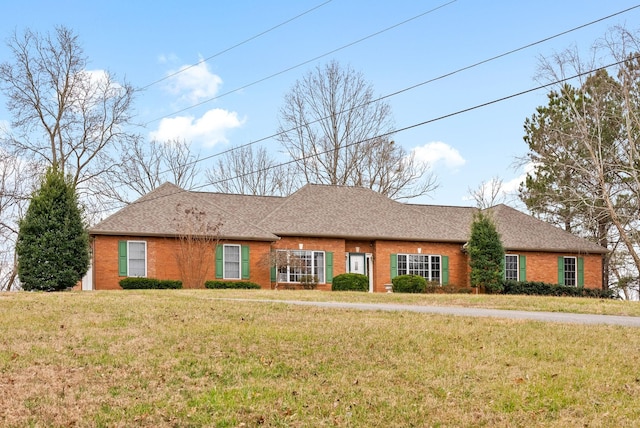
(137, 258)
(292, 265)
(570, 271)
(425, 265)
(511, 262)
(231, 261)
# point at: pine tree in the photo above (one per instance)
(53, 244)
(486, 254)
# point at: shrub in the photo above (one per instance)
(309, 282)
(350, 282)
(149, 284)
(231, 284)
(486, 254)
(546, 289)
(409, 284)
(53, 245)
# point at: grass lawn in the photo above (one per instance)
(184, 358)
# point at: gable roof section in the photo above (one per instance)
(520, 231)
(161, 212)
(353, 213)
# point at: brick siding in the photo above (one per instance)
(162, 263)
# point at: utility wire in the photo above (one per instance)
(426, 122)
(233, 47)
(417, 85)
(407, 89)
(416, 125)
(300, 64)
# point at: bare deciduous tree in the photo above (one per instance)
(488, 194)
(16, 184)
(339, 134)
(245, 171)
(586, 147)
(63, 114)
(143, 166)
(198, 237)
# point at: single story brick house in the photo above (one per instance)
(321, 231)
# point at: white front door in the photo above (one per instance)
(357, 263)
(362, 263)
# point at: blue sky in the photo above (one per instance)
(144, 41)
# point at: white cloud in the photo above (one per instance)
(208, 130)
(167, 58)
(194, 83)
(513, 185)
(438, 152)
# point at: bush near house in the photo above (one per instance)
(350, 282)
(546, 289)
(149, 284)
(231, 284)
(409, 284)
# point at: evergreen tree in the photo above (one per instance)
(486, 254)
(53, 244)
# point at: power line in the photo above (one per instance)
(234, 46)
(410, 88)
(300, 64)
(436, 119)
(417, 85)
(406, 128)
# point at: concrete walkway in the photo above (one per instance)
(467, 312)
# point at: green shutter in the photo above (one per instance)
(245, 262)
(273, 274)
(523, 268)
(219, 263)
(561, 270)
(580, 271)
(445, 270)
(394, 265)
(329, 267)
(122, 258)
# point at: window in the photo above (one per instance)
(292, 265)
(231, 260)
(570, 271)
(132, 258)
(511, 267)
(424, 265)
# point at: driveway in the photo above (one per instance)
(467, 312)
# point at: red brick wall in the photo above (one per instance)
(458, 265)
(162, 263)
(544, 267)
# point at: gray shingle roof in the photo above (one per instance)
(520, 231)
(332, 211)
(162, 213)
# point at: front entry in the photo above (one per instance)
(361, 263)
(357, 263)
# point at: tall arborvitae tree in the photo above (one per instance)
(486, 254)
(53, 244)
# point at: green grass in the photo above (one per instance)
(186, 358)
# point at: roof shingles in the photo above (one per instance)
(331, 211)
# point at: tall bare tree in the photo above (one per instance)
(339, 134)
(143, 166)
(585, 146)
(199, 236)
(17, 180)
(63, 114)
(246, 171)
(488, 193)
